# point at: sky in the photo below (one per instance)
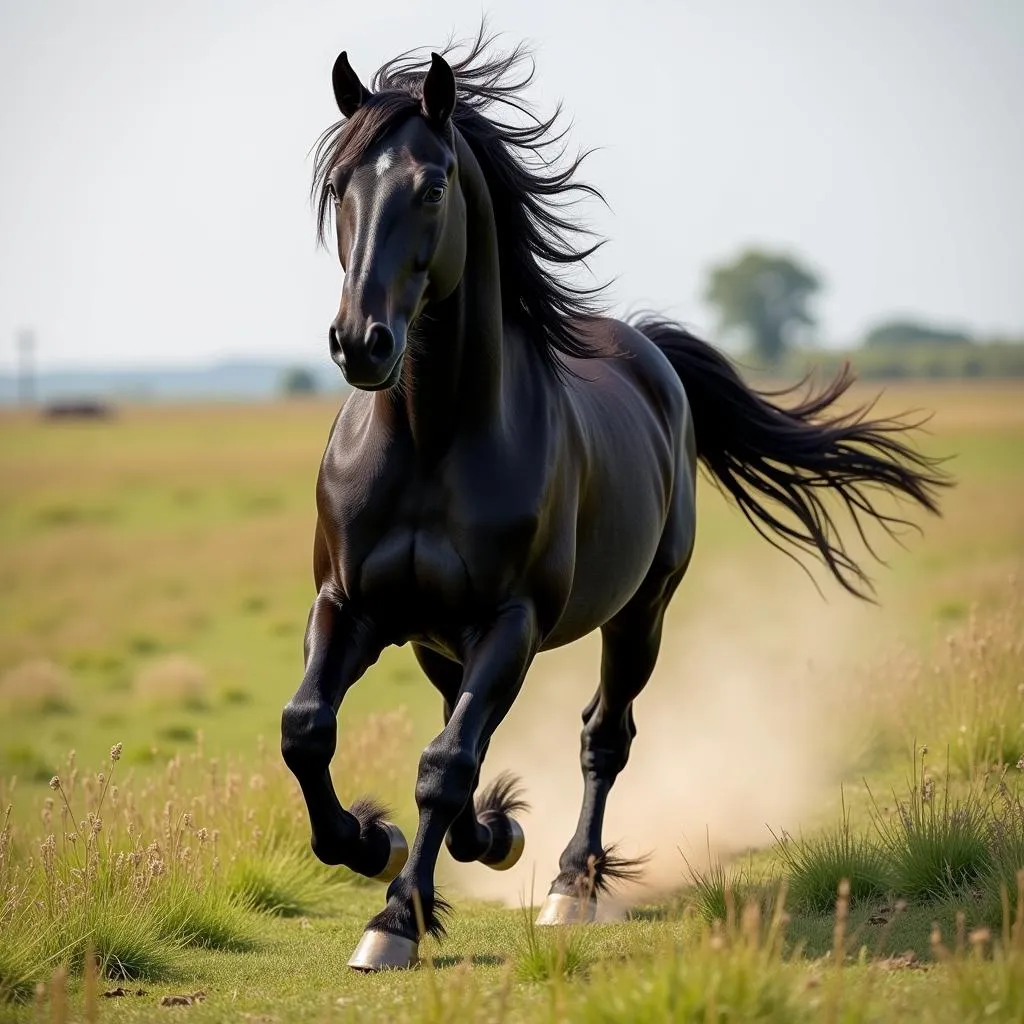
(154, 158)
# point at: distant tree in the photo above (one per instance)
(766, 295)
(907, 332)
(299, 381)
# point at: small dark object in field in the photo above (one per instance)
(119, 992)
(189, 1000)
(907, 961)
(527, 475)
(77, 409)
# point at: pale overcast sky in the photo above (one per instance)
(154, 163)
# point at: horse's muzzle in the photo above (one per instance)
(371, 362)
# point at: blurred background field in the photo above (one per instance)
(156, 568)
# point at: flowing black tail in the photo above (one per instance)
(797, 455)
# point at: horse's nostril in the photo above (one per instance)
(380, 343)
(334, 346)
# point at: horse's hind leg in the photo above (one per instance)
(630, 649)
(484, 830)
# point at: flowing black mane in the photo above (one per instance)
(529, 195)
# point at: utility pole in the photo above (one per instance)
(26, 343)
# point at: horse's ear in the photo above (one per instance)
(349, 93)
(439, 91)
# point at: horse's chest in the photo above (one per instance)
(429, 554)
(415, 570)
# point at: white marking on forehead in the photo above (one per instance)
(384, 161)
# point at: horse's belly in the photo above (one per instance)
(639, 514)
(613, 558)
(599, 591)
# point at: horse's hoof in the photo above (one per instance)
(561, 909)
(382, 951)
(510, 846)
(397, 857)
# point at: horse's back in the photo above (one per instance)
(637, 382)
(632, 356)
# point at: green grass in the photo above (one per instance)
(156, 580)
(725, 975)
(126, 943)
(815, 865)
(710, 890)
(937, 842)
(545, 953)
(718, 893)
(206, 917)
(286, 882)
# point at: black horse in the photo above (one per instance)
(515, 471)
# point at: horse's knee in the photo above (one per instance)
(604, 745)
(604, 762)
(446, 776)
(591, 709)
(309, 735)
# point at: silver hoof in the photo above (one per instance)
(382, 951)
(561, 909)
(398, 856)
(515, 850)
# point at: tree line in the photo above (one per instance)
(767, 296)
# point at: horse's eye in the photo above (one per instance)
(434, 194)
(333, 195)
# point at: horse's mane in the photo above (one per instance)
(529, 195)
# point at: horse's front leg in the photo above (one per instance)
(339, 646)
(495, 665)
(485, 829)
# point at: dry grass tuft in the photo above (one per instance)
(816, 866)
(140, 868)
(36, 687)
(173, 680)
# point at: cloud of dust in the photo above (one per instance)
(743, 725)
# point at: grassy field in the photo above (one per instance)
(154, 583)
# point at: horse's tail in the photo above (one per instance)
(792, 456)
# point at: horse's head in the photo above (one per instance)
(400, 221)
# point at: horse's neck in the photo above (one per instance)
(452, 381)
